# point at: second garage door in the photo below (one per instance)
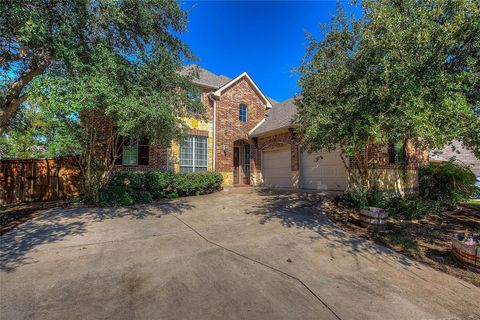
(276, 169)
(328, 173)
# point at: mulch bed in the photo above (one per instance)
(14, 215)
(427, 240)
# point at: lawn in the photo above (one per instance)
(427, 240)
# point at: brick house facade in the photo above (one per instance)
(241, 135)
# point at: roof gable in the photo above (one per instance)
(245, 75)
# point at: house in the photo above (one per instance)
(457, 152)
(249, 138)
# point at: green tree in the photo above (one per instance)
(405, 69)
(36, 35)
(120, 59)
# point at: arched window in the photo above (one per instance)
(242, 112)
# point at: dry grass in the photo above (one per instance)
(427, 240)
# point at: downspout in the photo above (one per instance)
(214, 132)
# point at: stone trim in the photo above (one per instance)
(201, 133)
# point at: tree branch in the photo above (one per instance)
(15, 95)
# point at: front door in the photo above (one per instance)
(236, 165)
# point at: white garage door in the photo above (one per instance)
(276, 168)
(328, 173)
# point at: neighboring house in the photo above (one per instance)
(457, 152)
(249, 138)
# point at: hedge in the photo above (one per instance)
(127, 188)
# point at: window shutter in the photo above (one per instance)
(391, 153)
(143, 152)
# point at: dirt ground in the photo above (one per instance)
(427, 240)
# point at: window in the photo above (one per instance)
(396, 153)
(193, 154)
(130, 152)
(195, 95)
(246, 159)
(133, 152)
(242, 113)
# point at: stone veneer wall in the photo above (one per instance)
(387, 176)
(198, 128)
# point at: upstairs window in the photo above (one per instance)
(242, 112)
(396, 153)
(195, 95)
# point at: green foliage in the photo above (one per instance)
(361, 198)
(197, 183)
(132, 180)
(127, 188)
(86, 38)
(142, 196)
(449, 183)
(116, 196)
(162, 184)
(410, 207)
(404, 70)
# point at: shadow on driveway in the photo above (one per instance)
(303, 210)
(57, 224)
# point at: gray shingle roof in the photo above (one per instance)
(208, 78)
(205, 77)
(460, 153)
(280, 116)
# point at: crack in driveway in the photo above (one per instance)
(262, 264)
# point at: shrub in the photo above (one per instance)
(187, 184)
(132, 180)
(141, 196)
(170, 185)
(116, 196)
(410, 207)
(361, 198)
(161, 184)
(127, 188)
(448, 183)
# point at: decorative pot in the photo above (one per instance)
(468, 255)
(375, 218)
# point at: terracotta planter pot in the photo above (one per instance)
(466, 255)
(375, 218)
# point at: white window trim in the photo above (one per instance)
(193, 155)
(246, 112)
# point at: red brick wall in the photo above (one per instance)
(104, 126)
(377, 156)
(274, 142)
(157, 160)
(228, 127)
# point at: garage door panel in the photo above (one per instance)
(276, 168)
(323, 171)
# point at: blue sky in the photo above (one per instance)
(266, 39)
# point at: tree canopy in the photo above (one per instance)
(405, 69)
(81, 39)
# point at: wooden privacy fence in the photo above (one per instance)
(38, 180)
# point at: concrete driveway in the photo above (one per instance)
(240, 254)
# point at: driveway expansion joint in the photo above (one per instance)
(262, 264)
